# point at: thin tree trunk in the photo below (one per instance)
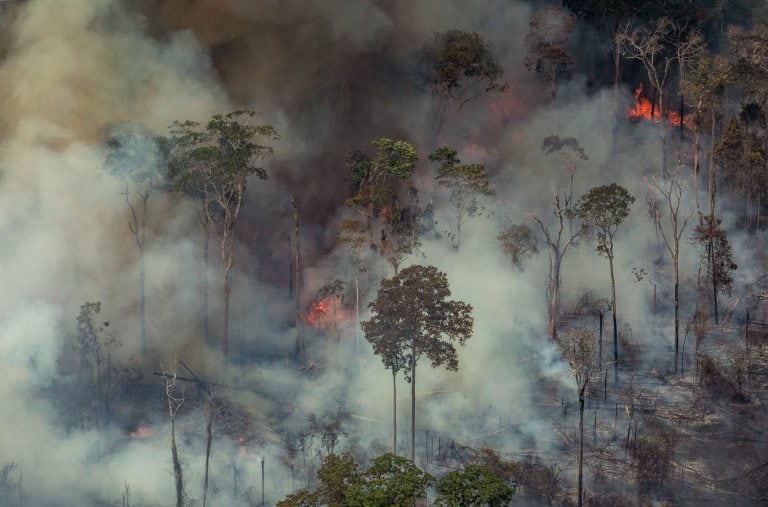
(615, 325)
(394, 413)
(335, 320)
(299, 330)
(458, 226)
(581, 445)
(209, 433)
(677, 303)
(413, 411)
(357, 316)
(554, 295)
(177, 471)
(225, 331)
(142, 301)
(616, 68)
(714, 279)
(600, 342)
(712, 167)
(206, 257)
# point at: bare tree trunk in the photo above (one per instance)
(554, 295)
(357, 316)
(173, 406)
(458, 226)
(581, 445)
(225, 330)
(394, 413)
(710, 254)
(177, 472)
(142, 301)
(677, 302)
(299, 330)
(615, 325)
(209, 434)
(413, 411)
(336, 320)
(600, 342)
(206, 260)
(616, 68)
(712, 167)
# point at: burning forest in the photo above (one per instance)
(383, 253)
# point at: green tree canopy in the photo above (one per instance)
(390, 481)
(519, 242)
(458, 65)
(603, 209)
(476, 485)
(337, 474)
(465, 183)
(213, 164)
(412, 316)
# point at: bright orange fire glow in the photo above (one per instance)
(323, 314)
(317, 313)
(141, 432)
(644, 108)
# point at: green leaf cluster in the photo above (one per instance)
(411, 317)
(604, 208)
(218, 158)
(476, 485)
(457, 59)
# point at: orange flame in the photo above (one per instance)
(316, 313)
(644, 109)
(141, 432)
(322, 314)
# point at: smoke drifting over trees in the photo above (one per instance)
(130, 358)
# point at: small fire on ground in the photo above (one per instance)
(141, 432)
(644, 110)
(323, 314)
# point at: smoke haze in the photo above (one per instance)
(330, 76)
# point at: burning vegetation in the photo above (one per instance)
(646, 110)
(235, 237)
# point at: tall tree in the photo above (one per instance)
(465, 183)
(713, 239)
(137, 159)
(671, 216)
(458, 67)
(558, 240)
(375, 180)
(92, 345)
(750, 68)
(401, 230)
(412, 313)
(659, 45)
(215, 162)
(578, 347)
(742, 156)
(646, 43)
(352, 235)
(603, 209)
(704, 88)
(546, 40)
(174, 402)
